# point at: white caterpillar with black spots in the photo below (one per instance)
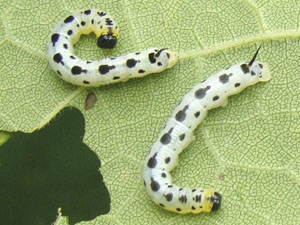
(93, 73)
(178, 133)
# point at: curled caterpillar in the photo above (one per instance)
(178, 133)
(93, 73)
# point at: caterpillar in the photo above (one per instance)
(93, 73)
(178, 133)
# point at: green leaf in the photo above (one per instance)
(50, 169)
(247, 151)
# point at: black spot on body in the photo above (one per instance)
(224, 78)
(168, 55)
(154, 185)
(137, 53)
(151, 57)
(193, 208)
(197, 114)
(198, 198)
(181, 137)
(170, 186)
(58, 58)
(215, 98)
(104, 69)
(180, 115)
(86, 82)
(159, 64)
(164, 175)
(260, 65)
(72, 57)
(69, 19)
(245, 68)
(237, 84)
(183, 199)
(59, 73)
(152, 161)
(201, 92)
(178, 209)
(180, 189)
(167, 160)
(141, 71)
(165, 139)
(108, 22)
(131, 63)
(92, 21)
(101, 13)
(252, 73)
(169, 197)
(76, 70)
(194, 190)
(87, 12)
(70, 32)
(116, 78)
(65, 46)
(54, 38)
(82, 23)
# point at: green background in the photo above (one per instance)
(248, 151)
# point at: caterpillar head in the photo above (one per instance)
(108, 38)
(216, 201)
(107, 41)
(167, 57)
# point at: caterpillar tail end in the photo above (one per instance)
(266, 74)
(173, 58)
(107, 41)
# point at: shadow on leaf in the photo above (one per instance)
(48, 169)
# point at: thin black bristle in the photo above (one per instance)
(254, 57)
(158, 53)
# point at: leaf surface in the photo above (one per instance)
(247, 151)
